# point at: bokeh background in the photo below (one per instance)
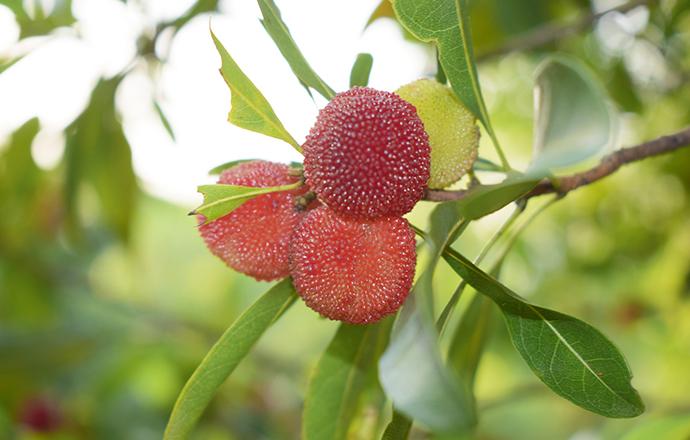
(112, 112)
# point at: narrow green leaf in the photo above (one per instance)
(220, 168)
(412, 371)
(414, 376)
(571, 357)
(399, 427)
(440, 73)
(164, 120)
(359, 76)
(220, 199)
(340, 378)
(279, 32)
(23, 188)
(447, 24)
(485, 199)
(622, 89)
(97, 154)
(469, 339)
(7, 63)
(197, 8)
(482, 164)
(572, 120)
(384, 9)
(248, 107)
(225, 355)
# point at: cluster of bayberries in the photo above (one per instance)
(341, 236)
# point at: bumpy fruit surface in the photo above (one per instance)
(254, 239)
(367, 155)
(453, 133)
(352, 270)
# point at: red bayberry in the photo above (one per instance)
(41, 414)
(254, 238)
(352, 270)
(367, 155)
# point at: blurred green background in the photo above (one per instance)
(108, 298)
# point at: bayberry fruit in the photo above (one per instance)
(367, 155)
(254, 238)
(41, 414)
(452, 129)
(352, 270)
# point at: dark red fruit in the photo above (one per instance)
(352, 270)
(367, 155)
(254, 238)
(41, 414)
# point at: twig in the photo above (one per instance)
(608, 165)
(553, 32)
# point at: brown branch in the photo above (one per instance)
(608, 165)
(548, 33)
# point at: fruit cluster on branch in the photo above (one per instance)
(368, 159)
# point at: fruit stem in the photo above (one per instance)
(303, 201)
(295, 172)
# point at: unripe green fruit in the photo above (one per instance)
(452, 129)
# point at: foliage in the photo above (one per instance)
(105, 316)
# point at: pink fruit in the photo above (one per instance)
(254, 238)
(367, 155)
(352, 270)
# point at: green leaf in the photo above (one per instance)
(412, 371)
(571, 357)
(340, 378)
(398, 429)
(248, 107)
(225, 355)
(7, 63)
(482, 164)
(384, 9)
(415, 378)
(164, 120)
(97, 154)
(440, 74)
(220, 168)
(276, 28)
(622, 89)
(23, 191)
(359, 76)
(572, 118)
(485, 199)
(447, 24)
(469, 339)
(199, 7)
(220, 199)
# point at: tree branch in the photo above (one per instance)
(608, 165)
(548, 33)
